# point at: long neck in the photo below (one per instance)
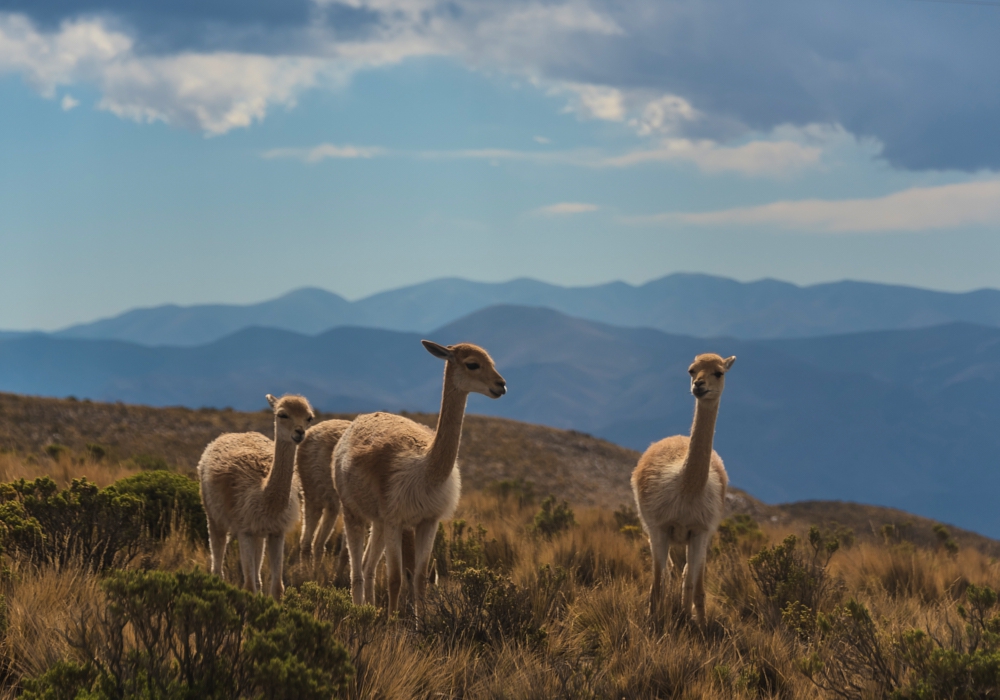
(699, 456)
(444, 449)
(278, 484)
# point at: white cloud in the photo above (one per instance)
(593, 101)
(916, 209)
(324, 151)
(69, 102)
(542, 140)
(754, 158)
(563, 208)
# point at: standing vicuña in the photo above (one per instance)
(314, 465)
(246, 486)
(398, 474)
(680, 488)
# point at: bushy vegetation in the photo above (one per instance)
(169, 500)
(518, 610)
(190, 635)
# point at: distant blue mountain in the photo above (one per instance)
(899, 418)
(686, 304)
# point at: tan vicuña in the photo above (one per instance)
(397, 474)
(248, 491)
(680, 489)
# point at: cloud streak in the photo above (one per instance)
(912, 210)
(323, 152)
(566, 208)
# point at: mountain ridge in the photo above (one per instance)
(683, 303)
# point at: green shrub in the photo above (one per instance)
(553, 518)
(740, 532)
(793, 588)
(165, 636)
(627, 519)
(485, 608)
(168, 499)
(97, 528)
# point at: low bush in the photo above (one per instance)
(795, 589)
(169, 499)
(98, 528)
(553, 518)
(184, 636)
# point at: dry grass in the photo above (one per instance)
(583, 589)
(598, 642)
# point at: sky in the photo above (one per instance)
(199, 151)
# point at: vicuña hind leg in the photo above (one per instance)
(326, 525)
(394, 564)
(697, 552)
(313, 514)
(218, 540)
(373, 552)
(354, 534)
(248, 562)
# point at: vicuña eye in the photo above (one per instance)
(472, 365)
(718, 375)
(309, 419)
(282, 415)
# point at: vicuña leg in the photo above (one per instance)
(659, 547)
(276, 559)
(313, 514)
(423, 545)
(373, 552)
(354, 532)
(326, 525)
(248, 561)
(218, 540)
(697, 552)
(394, 564)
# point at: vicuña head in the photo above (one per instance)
(471, 368)
(292, 416)
(708, 375)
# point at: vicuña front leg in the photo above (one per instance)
(659, 548)
(697, 552)
(394, 565)
(276, 558)
(423, 546)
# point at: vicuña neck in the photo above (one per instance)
(278, 484)
(444, 449)
(699, 456)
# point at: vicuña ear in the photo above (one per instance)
(439, 351)
(728, 362)
(271, 400)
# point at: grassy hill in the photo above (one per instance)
(573, 466)
(528, 604)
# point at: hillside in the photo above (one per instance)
(904, 419)
(579, 468)
(688, 304)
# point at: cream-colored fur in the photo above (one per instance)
(247, 489)
(680, 488)
(397, 474)
(321, 503)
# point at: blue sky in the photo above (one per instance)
(229, 151)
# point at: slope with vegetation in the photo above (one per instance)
(535, 599)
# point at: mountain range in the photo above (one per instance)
(686, 304)
(902, 418)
